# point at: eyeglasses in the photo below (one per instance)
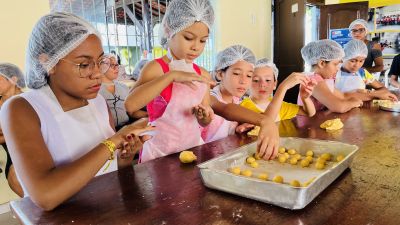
(114, 66)
(361, 30)
(87, 69)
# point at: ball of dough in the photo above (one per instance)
(256, 156)
(321, 160)
(287, 155)
(295, 183)
(246, 173)
(309, 158)
(282, 150)
(292, 151)
(254, 164)
(304, 163)
(263, 176)
(282, 158)
(254, 132)
(326, 156)
(340, 157)
(187, 156)
(297, 156)
(235, 170)
(310, 153)
(278, 179)
(293, 161)
(319, 166)
(250, 160)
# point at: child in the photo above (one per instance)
(59, 134)
(352, 78)
(171, 94)
(115, 93)
(374, 60)
(11, 83)
(234, 69)
(264, 83)
(325, 57)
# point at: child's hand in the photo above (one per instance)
(203, 114)
(189, 78)
(244, 127)
(268, 140)
(384, 94)
(295, 79)
(306, 91)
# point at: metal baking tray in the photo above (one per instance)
(215, 173)
(388, 105)
(394, 108)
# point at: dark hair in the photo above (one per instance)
(222, 70)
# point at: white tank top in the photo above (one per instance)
(70, 135)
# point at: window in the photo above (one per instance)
(128, 27)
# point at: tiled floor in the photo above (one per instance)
(6, 194)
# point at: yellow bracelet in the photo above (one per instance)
(111, 147)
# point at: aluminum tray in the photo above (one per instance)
(215, 173)
(387, 105)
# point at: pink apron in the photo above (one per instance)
(177, 128)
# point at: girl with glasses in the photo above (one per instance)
(60, 134)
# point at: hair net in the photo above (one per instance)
(54, 36)
(359, 22)
(138, 68)
(232, 55)
(264, 62)
(325, 49)
(181, 14)
(355, 48)
(111, 56)
(9, 70)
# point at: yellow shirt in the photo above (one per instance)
(287, 111)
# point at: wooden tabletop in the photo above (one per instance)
(164, 191)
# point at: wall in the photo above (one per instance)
(244, 22)
(17, 19)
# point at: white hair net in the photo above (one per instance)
(359, 22)
(325, 49)
(232, 55)
(138, 68)
(181, 14)
(355, 48)
(54, 36)
(264, 62)
(9, 70)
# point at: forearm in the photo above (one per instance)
(363, 96)
(275, 106)
(308, 107)
(374, 69)
(138, 114)
(143, 94)
(237, 113)
(343, 106)
(65, 181)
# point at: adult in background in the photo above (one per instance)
(394, 72)
(374, 61)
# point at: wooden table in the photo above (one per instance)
(164, 191)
